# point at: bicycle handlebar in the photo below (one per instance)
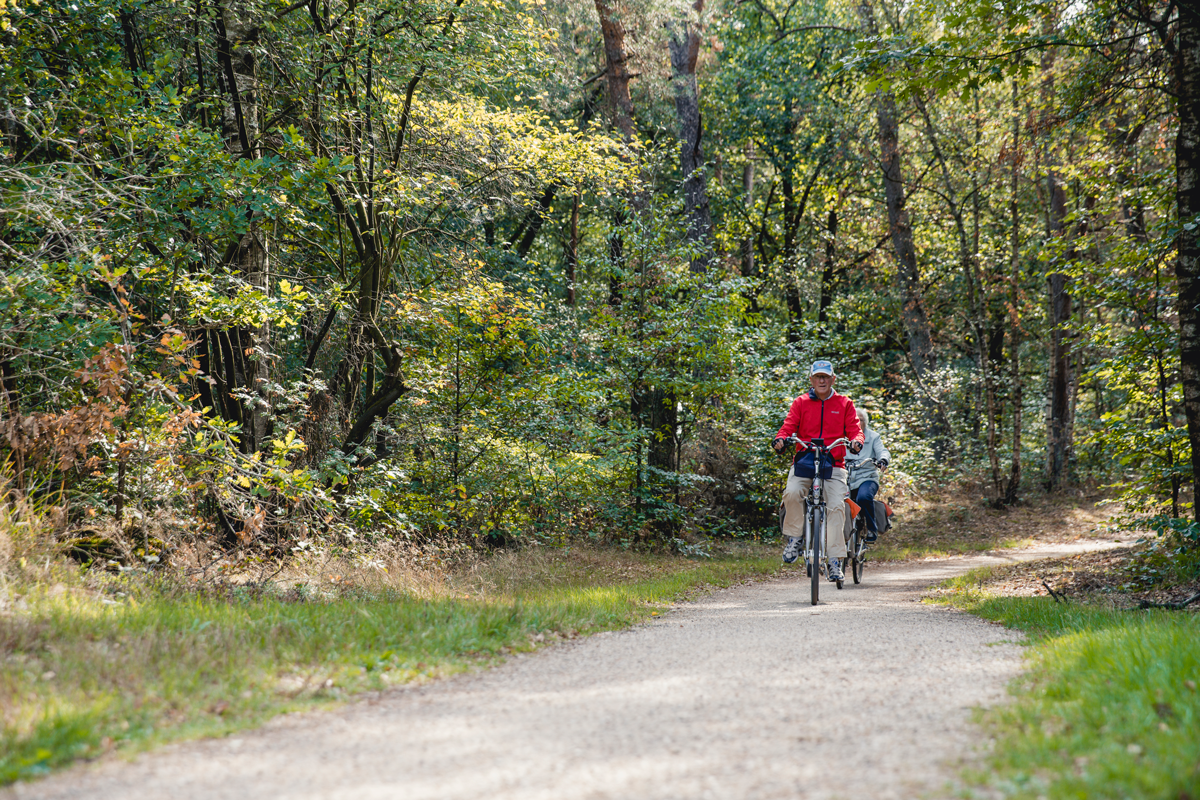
(842, 442)
(878, 462)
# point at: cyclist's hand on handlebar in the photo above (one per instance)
(781, 444)
(856, 447)
(883, 462)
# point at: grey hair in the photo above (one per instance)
(865, 417)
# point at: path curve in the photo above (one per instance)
(750, 692)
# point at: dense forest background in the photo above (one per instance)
(492, 272)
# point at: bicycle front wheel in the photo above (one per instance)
(858, 551)
(817, 537)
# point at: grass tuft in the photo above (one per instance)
(1109, 708)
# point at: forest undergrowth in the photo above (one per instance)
(99, 660)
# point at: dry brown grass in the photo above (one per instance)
(925, 526)
(1120, 577)
(6, 546)
(1117, 578)
(34, 549)
(928, 526)
(29, 555)
(430, 573)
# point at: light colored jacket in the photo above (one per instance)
(863, 470)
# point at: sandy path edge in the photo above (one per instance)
(750, 692)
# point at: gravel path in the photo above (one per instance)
(748, 693)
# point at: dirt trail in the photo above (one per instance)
(748, 693)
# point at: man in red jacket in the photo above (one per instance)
(818, 413)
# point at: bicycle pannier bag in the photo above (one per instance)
(883, 516)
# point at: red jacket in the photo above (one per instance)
(829, 419)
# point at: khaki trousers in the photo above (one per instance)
(793, 508)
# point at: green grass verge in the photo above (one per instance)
(1109, 708)
(81, 675)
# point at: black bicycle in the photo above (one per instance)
(816, 520)
(856, 541)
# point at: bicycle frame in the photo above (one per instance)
(814, 502)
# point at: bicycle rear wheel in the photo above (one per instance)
(817, 538)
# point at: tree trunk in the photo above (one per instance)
(1058, 400)
(370, 388)
(791, 273)
(246, 366)
(915, 318)
(1058, 410)
(651, 407)
(979, 303)
(617, 67)
(531, 224)
(657, 408)
(1018, 387)
(620, 106)
(684, 44)
(527, 231)
(746, 250)
(1058, 419)
(968, 256)
(993, 406)
(827, 274)
(1186, 84)
(573, 251)
(793, 213)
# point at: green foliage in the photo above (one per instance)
(961, 48)
(1173, 557)
(1135, 405)
(356, 323)
(1108, 709)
